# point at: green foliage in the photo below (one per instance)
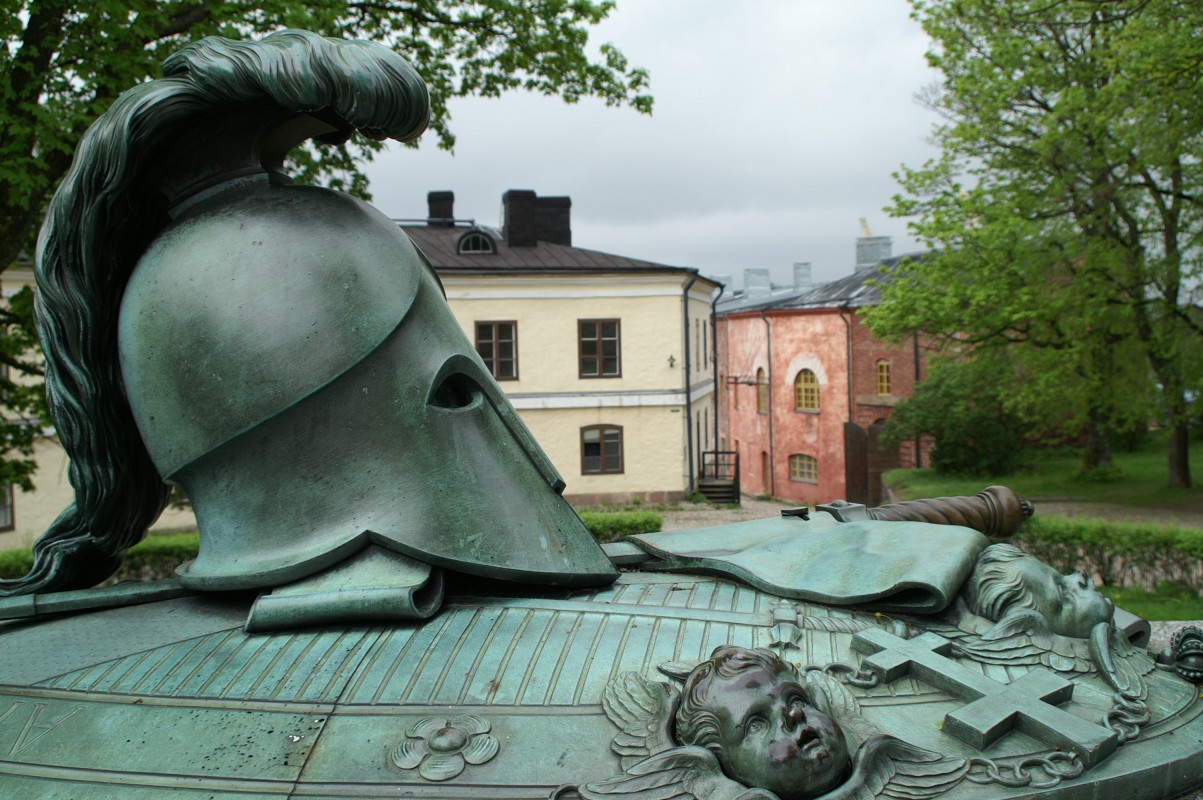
(1121, 554)
(15, 563)
(1064, 208)
(63, 64)
(965, 407)
(24, 417)
(606, 526)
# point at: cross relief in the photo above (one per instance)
(992, 708)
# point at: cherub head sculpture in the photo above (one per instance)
(282, 352)
(1007, 582)
(749, 708)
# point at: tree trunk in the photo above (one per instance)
(1179, 455)
(1098, 451)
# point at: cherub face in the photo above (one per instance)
(773, 738)
(1070, 602)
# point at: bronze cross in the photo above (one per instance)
(992, 708)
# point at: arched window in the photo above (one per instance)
(475, 242)
(883, 377)
(806, 391)
(803, 468)
(762, 392)
(601, 449)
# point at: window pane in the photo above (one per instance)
(601, 449)
(496, 345)
(600, 349)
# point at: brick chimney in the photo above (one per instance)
(441, 209)
(555, 220)
(521, 223)
(530, 219)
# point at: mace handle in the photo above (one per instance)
(997, 511)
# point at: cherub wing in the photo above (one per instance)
(885, 767)
(1018, 640)
(1122, 664)
(682, 773)
(643, 711)
(834, 699)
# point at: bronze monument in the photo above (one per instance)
(391, 596)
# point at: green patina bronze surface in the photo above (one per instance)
(901, 566)
(391, 596)
(322, 712)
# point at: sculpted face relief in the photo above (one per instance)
(1070, 602)
(750, 711)
(773, 738)
(1007, 580)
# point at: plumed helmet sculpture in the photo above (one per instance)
(282, 352)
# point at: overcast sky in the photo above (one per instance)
(777, 125)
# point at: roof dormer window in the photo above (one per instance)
(475, 242)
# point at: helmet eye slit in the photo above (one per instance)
(456, 392)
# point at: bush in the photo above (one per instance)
(15, 563)
(606, 526)
(962, 405)
(1118, 554)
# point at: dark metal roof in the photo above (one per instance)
(440, 246)
(858, 290)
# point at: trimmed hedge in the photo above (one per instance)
(606, 526)
(1117, 553)
(157, 556)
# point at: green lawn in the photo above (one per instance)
(1169, 602)
(1139, 480)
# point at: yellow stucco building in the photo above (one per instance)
(608, 359)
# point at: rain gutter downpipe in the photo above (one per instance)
(848, 329)
(688, 377)
(714, 355)
(772, 476)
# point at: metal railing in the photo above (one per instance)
(720, 465)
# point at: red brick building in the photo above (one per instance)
(807, 385)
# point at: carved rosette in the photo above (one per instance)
(438, 748)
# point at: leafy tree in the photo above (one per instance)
(62, 63)
(1066, 202)
(965, 408)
